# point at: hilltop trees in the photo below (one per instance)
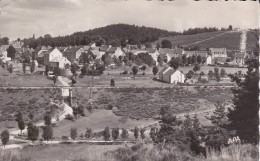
(5, 137)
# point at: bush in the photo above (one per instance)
(65, 138)
(125, 72)
(69, 117)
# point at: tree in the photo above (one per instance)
(184, 60)
(155, 70)
(5, 137)
(73, 68)
(196, 67)
(174, 63)
(33, 132)
(135, 70)
(153, 133)
(47, 133)
(124, 134)
(189, 60)
(218, 135)
(166, 44)
(160, 60)
(47, 69)
(142, 133)
(193, 59)
(143, 68)
(10, 68)
(190, 74)
(18, 116)
(47, 119)
(73, 133)
(222, 72)
(112, 83)
(115, 133)
(136, 132)
(88, 133)
(57, 71)
(31, 116)
(11, 52)
(230, 27)
(199, 59)
(106, 134)
(32, 67)
(243, 116)
(216, 73)
(202, 73)
(81, 110)
(24, 68)
(211, 74)
(21, 125)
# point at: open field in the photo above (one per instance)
(35, 101)
(66, 152)
(188, 39)
(19, 79)
(97, 121)
(143, 103)
(251, 40)
(140, 79)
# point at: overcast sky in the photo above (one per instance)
(23, 18)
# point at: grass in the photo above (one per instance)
(35, 101)
(145, 103)
(251, 40)
(19, 79)
(97, 121)
(141, 80)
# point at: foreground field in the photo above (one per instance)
(141, 152)
(143, 103)
(35, 101)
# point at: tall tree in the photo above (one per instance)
(115, 133)
(142, 133)
(196, 67)
(33, 132)
(222, 72)
(21, 125)
(32, 67)
(88, 133)
(244, 115)
(106, 134)
(11, 52)
(155, 70)
(136, 132)
(5, 137)
(211, 74)
(73, 133)
(124, 134)
(134, 70)
(47, 119)
(199, 59)
(47, 133)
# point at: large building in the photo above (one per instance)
(170, 75)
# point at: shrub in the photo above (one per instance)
(65, 138)
(69, 117)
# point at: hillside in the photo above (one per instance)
(229, 40)
(111, 34)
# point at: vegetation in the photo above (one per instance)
(47, 133)
(73, 133)
(33, 132)
(5, 137)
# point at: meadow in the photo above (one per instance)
(35, 101)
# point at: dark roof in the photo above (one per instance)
(72, 50)
(240, 55)
(170, 72)
(103, 48)
(112, 50)
(163, 69)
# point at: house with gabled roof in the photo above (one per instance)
(170, 75)
(239, 58)
(54, 58)
(73, 53)
(115, 51)
(218, 52)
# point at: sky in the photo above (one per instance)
(23, 18)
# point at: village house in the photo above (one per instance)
(170, 75)
(54, 58)
(73, 53)
(39, 54)
(3, 53)
(115, 51)
(168, 54)
(218, 52)
(239, 58)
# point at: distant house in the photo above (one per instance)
(54, 58)
(170, 53)
(169, 75)
(3, 53)
(154, 54)
(209, 60)
(203, 54)
(218, 52)
(73, 53)
(115, 51)
(239, 58)
(39, 54)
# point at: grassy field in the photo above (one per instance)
(97, 121)
(187, 39)
(140, 79)
(35, 101)
(19, 79)
(146, 103)
(251, 40)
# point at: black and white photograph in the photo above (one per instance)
(129, 80)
